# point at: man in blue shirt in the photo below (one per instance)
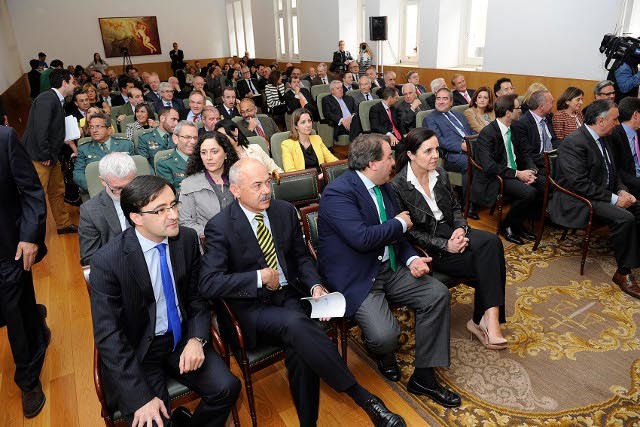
(624, 144)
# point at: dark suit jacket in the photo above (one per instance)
(379, 119)
(448, 137)
(23, 209)
(151, 97)
(580, 168)
(177, 59)
(352, 240)
(243, 88)
(268, 125)
(99, 223)
(117, 100)
(333, 112)
(359, 97)
(431, 101)
(233, 256)
(123, 308)
(330, 77)
(44, 135)
(525, 135)
(338, 61)
(293, 103)
(225, 113)
(491, 155)
(626, 167)
(458, 99)
(175, 104)
(34, 83)
(407, 117)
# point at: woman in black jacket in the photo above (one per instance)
(422, 188)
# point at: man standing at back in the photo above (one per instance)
(44, 138)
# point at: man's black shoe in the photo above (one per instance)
(181, 417)
(390, 371)
(381, 416)
(438, 394)
(33, 401)
(511, 236)
(473, 215)
(526, 234)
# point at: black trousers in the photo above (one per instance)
(309, 353)
(213, 381)
(624, 225)
(525, 201)
(482, 262)
(25, 324)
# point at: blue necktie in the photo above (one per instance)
(169, 296)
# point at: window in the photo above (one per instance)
(409, 36)
(630, 20)
(474, 29)
(240, 25)
(362, 21)
(288, 46)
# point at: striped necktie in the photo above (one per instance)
(265, 241)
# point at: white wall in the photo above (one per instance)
(448, 35)
(348, 25)
(264, 30)
(69, 30)
(549, 37)
(10, 67)
(318, 26)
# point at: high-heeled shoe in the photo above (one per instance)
(476, 332)
(493, 343)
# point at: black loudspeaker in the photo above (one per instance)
(378, 28)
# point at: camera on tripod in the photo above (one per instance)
(619, 49)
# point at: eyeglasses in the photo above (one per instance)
(113, 189)
(517, 108)
(164, 211)
(189, 138)
(607, 93)
(96, 127)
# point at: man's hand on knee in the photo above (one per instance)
(145, 416)
(192, 356)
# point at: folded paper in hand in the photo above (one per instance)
(72, 131)
(330, 305)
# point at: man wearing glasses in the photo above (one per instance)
(102, 218)
(101, 144)
(604, 90)
(149, 320)
(173, 166)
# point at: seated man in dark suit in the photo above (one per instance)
(436, 85)
(364, 91)
(153, 96)
(167, 100)
(533, 131)
(389, 79)
(503, 86)
(81, 104)
(408, 109)
(383, 118)
(624, 144)
(461, 95)
(348, 83)
(450, 128)
(497, 155)
(372, 74)
(256, 260)
(125, 84)
(300, 97)
(210, 118)
(338, 109)
(363, 253)
(323, 77)
(149, 320)
(586, 166)
(248, 87)
(102, 218)
(252, 125)
(228, 108)
(414, 77)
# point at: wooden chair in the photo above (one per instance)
(550, 158)
(299, 188)
(474, 165)
(179, 394)
(332, 170)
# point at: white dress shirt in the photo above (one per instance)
(431, 200)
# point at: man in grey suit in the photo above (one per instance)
(408, 108)
(251, 125)
(101, 218)
(364, 91)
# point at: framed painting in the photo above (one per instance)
(133, 36)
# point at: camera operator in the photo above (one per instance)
(624, 71)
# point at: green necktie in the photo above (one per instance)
(166, 140)
(265, 240)
(383, 219)
(510, 155)
(103, 146)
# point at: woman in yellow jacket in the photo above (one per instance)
(303, 150)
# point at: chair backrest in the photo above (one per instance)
(319, 103)
(287, 120)
(423, 96)
(159, 156)
(127, 120)
(420, 115)
(318, 89)
(460, 108)
(136, 136)
(309, 216)
(550, 160)
(258, 140)
(236, 119)
(352, 93)
(276, 146)
(363, 110)
(332, 170)
(93, 174)
(299, 188)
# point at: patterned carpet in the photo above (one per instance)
(573, 355)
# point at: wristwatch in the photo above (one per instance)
(201, 340)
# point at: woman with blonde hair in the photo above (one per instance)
(533, 88)
(303, 150)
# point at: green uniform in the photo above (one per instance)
(172, 168)
(44, 79)
(150, 143)
(93, 151)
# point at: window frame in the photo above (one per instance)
(232, 7)
(465, 58)
(413, 59)
(290, 28)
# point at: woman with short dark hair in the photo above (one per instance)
(569, 116)
(274, 92)
(480, 112)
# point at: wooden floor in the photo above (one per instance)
(67, 374)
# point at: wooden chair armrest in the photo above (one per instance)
(97, 382)
(236, 327)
